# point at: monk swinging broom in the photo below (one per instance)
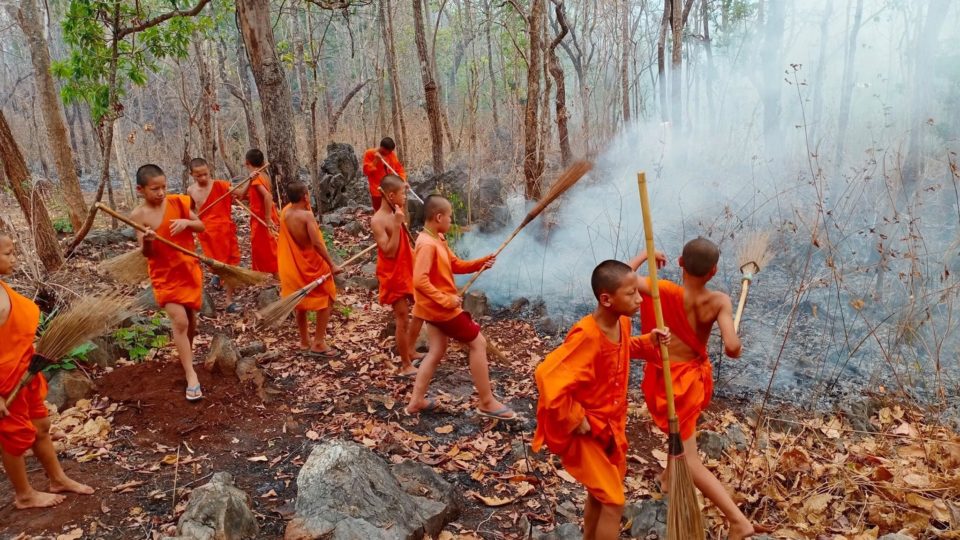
(754, 254)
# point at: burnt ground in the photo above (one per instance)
(262, 436)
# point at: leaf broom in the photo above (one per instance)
(232, 275)
(567, 179)
(753, 255)
(684, 518)
(86, 318)
(250, 176)
(274, 314)
(131, 267)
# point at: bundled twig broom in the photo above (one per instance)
(753, 255)
(684, 520)
(131, 267)
(277, 312)
(233, 275)
(86, 318)
(250, 177)
(567, 179)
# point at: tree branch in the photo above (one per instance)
(124, 32)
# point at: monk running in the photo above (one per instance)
(24, 424)
(582, 410)
(176, 277)
(303, 258)
(219, 239)
(438, 302)
(690, 311)
(379, 162)
(263, 241)
(395, 269)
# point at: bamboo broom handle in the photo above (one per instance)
(143, 229)
(354, 259)
(308, 288)
(234, 188)
(394, 208)
(258, 218)
(744, 287)
(655, 291)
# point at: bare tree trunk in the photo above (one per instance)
(249, 113)
(429, 89)
(819, 75)
(59, 145)
(303, 87)
(772, 74)
(678, 20)
(532, 166)
(846, 88)
(256, 27)
(35, 212)
(661, 61)
(556, 71)
(490, 73)
(335, 118)
(711, 69)
(207, 104)
(625, 60)
(396, 102)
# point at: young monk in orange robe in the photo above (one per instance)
(24, 424)
(379, 162)
(303, 258)
(176, 277)
(582, 410)
(219, 239)
(690, 311)
(438, 303)
(263, 241)
(395, 269)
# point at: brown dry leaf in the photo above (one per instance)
(169, 459)
(312, 435)
(261, 457)
(906, 429)
(75, 534)
(917, 480)
(567, 477)
(911, 451)
(492, 502)
(817, 504)
(126, 486)
(443, 430)
(832, 428)
(660, 456)
(870, 534)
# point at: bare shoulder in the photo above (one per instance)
(720, 300)
(137, 213)
(192, 190)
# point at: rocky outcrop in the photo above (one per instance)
(217, 511)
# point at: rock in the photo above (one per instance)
(475, 303)
(337, 218)
(345, 491)
(218, 511)
(267, 297)
(223, 356)
(649, 517)
(364, 282)
(519, 304)
(369, 269)
(711, 443)
(354, 228)
(547, 326)
(65, 387)
(253, 348)
(736, 437)
(454, 182)
(247, 370)
(102, 238)
(566, 531)
(859, 411)
(498, 217)
(105, 353)
(538, 308)
(341, 182)
(208, 308)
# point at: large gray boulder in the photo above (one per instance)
(346, 492)
(217, 511)
(341, 180)
(65, 387)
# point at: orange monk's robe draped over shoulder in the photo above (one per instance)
(17, 432)
(396, 275)
(692, 377)
(263, 246)
(301, 265)
(176, 277)
(587, 378)
(219, 240)
(375, 170)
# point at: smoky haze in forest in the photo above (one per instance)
(876, 299)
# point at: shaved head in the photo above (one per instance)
(700, 256)
(148, 172)
(391, 183)
(608, 276)
(435, 204)
(296, 191)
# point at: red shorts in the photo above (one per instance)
(461, 328)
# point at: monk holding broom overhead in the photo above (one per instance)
(379, 162)
(582, 409)
(24, 423)
(690, 311)
(176, 277)
(263, 244)
(395, 268)
(438, 302)
(219, 239)
(303, 258)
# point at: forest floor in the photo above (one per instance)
(144, 448)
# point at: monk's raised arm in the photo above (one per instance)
(731, 341)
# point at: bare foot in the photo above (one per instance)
(407, 370)
(69, 485)
(415, 407)
(746, 530)
(664, 482)
(38, 499)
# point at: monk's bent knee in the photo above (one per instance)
(478, 342)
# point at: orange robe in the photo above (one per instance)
(219, 240)
(396, 275)
(299, 266)
(692, 377)
(434, 290)
(17, 432)
(263, 246)
(587, 377)
(176, 277)
(375, 170)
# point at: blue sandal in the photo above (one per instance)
(193, 393)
